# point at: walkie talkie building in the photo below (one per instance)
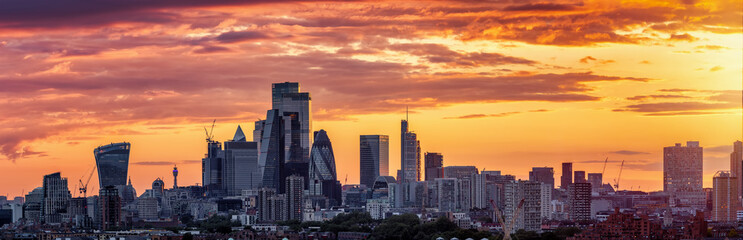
(113, 162)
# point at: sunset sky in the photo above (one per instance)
(502, 85)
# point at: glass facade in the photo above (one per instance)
(374, 157)
(272, 155)
(410, 151)
(299, 104)
(113, 163)
(323, 175)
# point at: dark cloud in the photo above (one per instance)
(711, 102)
(628, 152)
(540, 7)
(233, 37)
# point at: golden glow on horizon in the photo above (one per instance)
(645, 82)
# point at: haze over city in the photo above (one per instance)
(498, 85)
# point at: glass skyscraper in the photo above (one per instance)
(113, 163)
(410, 155)
(374, 155)
(322, 171)
(271, 160)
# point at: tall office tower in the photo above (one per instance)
(447, 190)
(56, 198)
(567, 175)
(211, 168)
(322, 173)
(543, 174)
(682, 175)
(580, 176)
(410, 155)
(596, 180)
(736, 165)
(113, 163)
(110, 208)
(579, 200)
(480, 191)
(264, 204)
(459, 171)
(299, 105)
(240, 165)
(434, 163)
(725, 197)
(532, 194)
(258, 134)
(286, 97)
(271, 160)
(374, 157)
(175, 177)
(278, 90)
(294, 197)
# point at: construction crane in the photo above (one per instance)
(604, 171)
(507, 229)
(210, 133)
(616, 181)
(84, 186)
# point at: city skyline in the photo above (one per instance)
(482, 89)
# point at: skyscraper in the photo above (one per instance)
(211, 168)
(544, 175)
(580, 177)
(725, 201)
(567, 175)
(530, 195)
(56, 198)
(322, 173)
(410, 155)
(374, 157)
(271, 160)
(278, 90)
(736, 165)
(240, 165)
(113, 163)
(298, 105)
(434, 163)
(682, 175)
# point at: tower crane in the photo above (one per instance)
(616, 181)
(604, 171)
(507, 229)
(210, 133)
(84, 186)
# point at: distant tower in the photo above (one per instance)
(113, 163)
(175, 176)
(410, 154)
(682, 174)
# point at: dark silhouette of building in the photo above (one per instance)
(543, 174)
(322, 171)
(113, 163)
(56, 198)
(434, 163)
(374, 157)
(580, 177)
(567, 175)
(110, 208)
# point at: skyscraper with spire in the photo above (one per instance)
(410, 154)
